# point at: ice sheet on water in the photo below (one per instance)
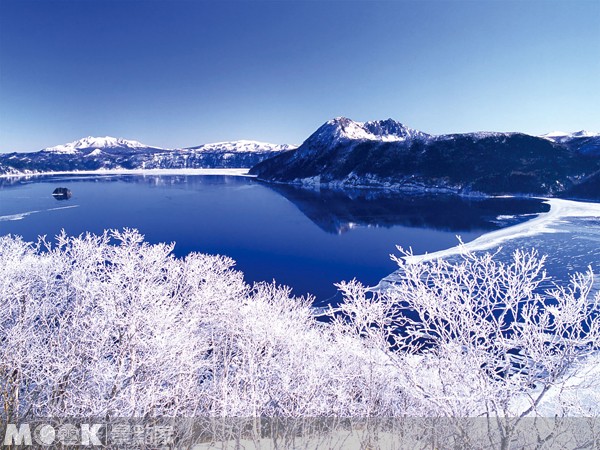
(568, 234)
(20, 216)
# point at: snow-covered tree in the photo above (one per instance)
(480, 338)
(110, 326)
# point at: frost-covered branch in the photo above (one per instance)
(111, 326)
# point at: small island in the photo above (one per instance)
(61, 193)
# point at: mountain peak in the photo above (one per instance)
(584, 133)
(92, 142)
(392, 130)
(560, 136)
(554, 134)
(344, 129)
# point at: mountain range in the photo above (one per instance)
(343, 153)
(388, 154)
(101, 153)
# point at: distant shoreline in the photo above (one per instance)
(239, 172)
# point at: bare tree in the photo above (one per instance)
(479, 337)
(111, 326)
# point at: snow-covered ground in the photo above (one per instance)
(230, 172)
(580, 387)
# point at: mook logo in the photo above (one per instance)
(66, 434)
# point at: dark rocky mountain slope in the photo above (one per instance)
(387, 154)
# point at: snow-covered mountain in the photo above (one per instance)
(561, 136)
(342, 129)
(345, 153)
(583, 141)
(242, 146)
(95, 153)
(98, 143)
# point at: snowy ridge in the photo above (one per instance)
(389, 130)
(109, 153)
(94, 152)
(242, 146)
(108, 142)
(554, 134)
(388, 154)
(561, 136)
(584, 133)
(479, 134)
(342, 129)
(96, 143)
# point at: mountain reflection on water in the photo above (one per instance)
(338, 211)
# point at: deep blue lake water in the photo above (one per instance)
(302, 238)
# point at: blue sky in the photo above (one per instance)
(181, 73)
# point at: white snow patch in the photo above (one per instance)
(487, 134)
(342, 128)
(514, 216)
(584, 133)
(18, 216)
(96, 143)
(543, 223)
(21, 216)
(580, 386)
(561, 136)
(554, 134)
(241, 146)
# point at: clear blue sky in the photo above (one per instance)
(182, 73)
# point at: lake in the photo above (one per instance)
(306, 239)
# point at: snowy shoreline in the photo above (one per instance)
(544, 223)
(559, 209)
(224, 171)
